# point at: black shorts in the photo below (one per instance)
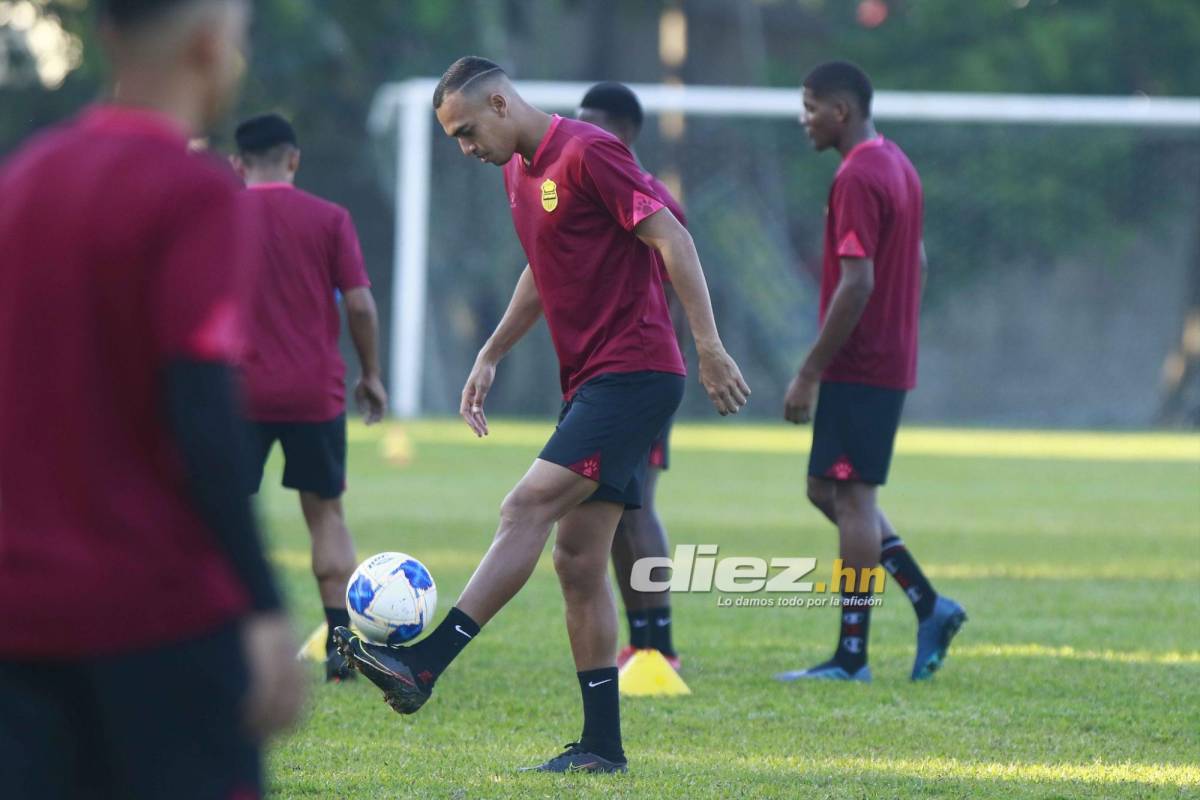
(159, 723)
(605, 431)
(314, 455)
(660, 449)
(854, 432)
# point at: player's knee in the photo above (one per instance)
(821, 494)
(578, 568)
(525, 504)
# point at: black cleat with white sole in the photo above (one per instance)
(385, 667)
(576, 759)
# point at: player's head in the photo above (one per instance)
(837, 94)
(474, 102)
(267, 148)
(193, 49)
(613, 107)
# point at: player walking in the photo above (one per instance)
(303, 250)
(590, 224)
(863, 362)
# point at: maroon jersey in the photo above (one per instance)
(668, 200)
(301, 249)
(119, 256)
(574, 207)
(875, 210)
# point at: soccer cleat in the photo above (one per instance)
(628, 651)
(385, 667)
(337, 668)
(934, 635)
(576, 759)
(829, 671)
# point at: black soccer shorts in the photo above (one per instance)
(607, 427)
(314, 455)
(854, 432)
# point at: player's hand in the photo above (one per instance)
(801, 398)
(371, 397)
(722, 380)
(479, 383)
(276, 691)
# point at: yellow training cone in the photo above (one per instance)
(313, 648)
(648, 674)
(396, 448)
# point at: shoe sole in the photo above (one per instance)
(400, 692)
(595, 769)
(938, 657)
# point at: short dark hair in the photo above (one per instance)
(131, 13)
(460, 73)
(615, 99)
(836, 77)
(257, 135)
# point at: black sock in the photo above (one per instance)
(851, 652)
(334, 617)
(901, 565)
(639, 629)
(433, 654)
(601, 713)
(660, 630)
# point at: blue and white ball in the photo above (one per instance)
(391, 597)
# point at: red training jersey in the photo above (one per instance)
(119, 257)
(574, 207)
(875, 211)
(301, 249)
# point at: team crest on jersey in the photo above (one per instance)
(549, 195)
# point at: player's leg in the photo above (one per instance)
(315, 466)
(407, 674)
(333, 562)
(581, 552)
(641, 534)
(173, 723)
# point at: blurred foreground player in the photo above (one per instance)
(302, 251)
(590, 224)
(143, 649)
(640, 534)
(864, 362)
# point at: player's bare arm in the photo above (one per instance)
(524, 309)
(363, 321)
(845, 309)
(719, 374)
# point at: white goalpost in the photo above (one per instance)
(406, 108)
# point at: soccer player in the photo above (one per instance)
(303, 250)
(144, 651)
(863, 363)
(640, 534)
(590, 224)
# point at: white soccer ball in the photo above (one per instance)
(391, 597)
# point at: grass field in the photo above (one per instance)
(1078, 675)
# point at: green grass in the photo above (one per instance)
(1076, 676)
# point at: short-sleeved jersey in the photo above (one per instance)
(301, 249)
(875, 211)
(119, 257)
(574, 207)
(668, 200)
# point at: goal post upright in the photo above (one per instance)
(407, 105)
